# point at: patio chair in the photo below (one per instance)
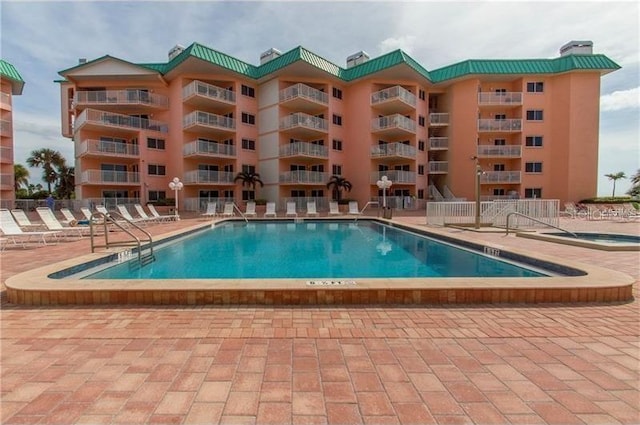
(270, 210)
(157, 215)
(250, 211)
(334, 208)
(311, 209)
(69, 218)
(143, 214)
(211, 210)
(353, 208)
(23, 221)
(12, 232)
(291, 209)
(52, 223)
(124, 212)
(228, 209)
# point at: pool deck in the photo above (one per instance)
(559, 363)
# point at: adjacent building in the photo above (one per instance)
(530, 127)
(11, 84)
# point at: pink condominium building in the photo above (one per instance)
(203, 116)
(11, 84)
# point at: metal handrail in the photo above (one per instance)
(109, 219)
(240, 212)
(537, 221)
(365, 207)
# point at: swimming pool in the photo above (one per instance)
(593, 240)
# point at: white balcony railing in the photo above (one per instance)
(112, 177)
(392, 93)
(101, 147)
(439, 118)
(508, 98)
(490, 177)
(300, 119)
(209, 91)
(6, 154)
(205, 147)
(208, 176)
(121, 97)
(438, 143)
(500, 125)
(6, 128)
(393, 121)
(304, 149)
(396, 176)
(438, 166)
(109, 119)
(303, 176)
(513, 151)
(5, 99)
(208, 120)
(393, 149)
(303, 91)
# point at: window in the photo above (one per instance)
(156, 170)
(421, 121)
(421, 94)
(156, 195)
(533, 167)
(501, 92)
(337, 145)
(336, 170)
(533, 141)
(248, 195)
(532, 192)
(248, 91)
(337, 119)
(298, 194)
(228, 194)
(153, 143)
(534, 115)
(500, 117)
(317, 193)
(249, 169)
(535, 87)
(249, 144)
(248, 118)
(498, 192)
(337, 93)
(421, 170)
(498, 167)
(420, 193)
(421, 145)
(499, 142)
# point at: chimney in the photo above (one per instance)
(270, 54)
(357, 58)
(175, 51)
(577, 47)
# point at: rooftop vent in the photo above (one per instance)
(175, 51)
(270, 54)
(82, 61)
(357, 58)
(584, 47)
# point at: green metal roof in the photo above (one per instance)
(9, 72)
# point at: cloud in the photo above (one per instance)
(622, 99)
(405, 42)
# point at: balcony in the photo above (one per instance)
(393, 99)
(304, 177)
(6, 155)
(438, 119)
(438, 167)
(500, 177)
(205, 122)
(393, 150)
(208, 96)
(396, 176)
(304, 126)
(101, 148)
(505, 151)
(92, 119)
(6, 181)
(393, 126)
(302, 98)
(507, 125)
(500, 99)
(123, 178)
(304, 149)
(438, 143)
(207, 149)
(208, 177)
(6, 129)
(5, 99)
(121, 100)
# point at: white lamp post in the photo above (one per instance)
(384, 183)
(479, 173)
(176, 185)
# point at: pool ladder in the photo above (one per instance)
(537, 221)
(117, 220)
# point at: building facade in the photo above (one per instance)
(529, 127)
(11, 84)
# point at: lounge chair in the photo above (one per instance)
(159, 216)
(124, 212)
(69, 218)
(291, 209)
(228, 209)
(86, 212)
(270, 210)
(102, 209)
(12, 232)
(23, 221)
(143, 214)
(334, 208)
(211, 210)
(250, 211)
(353, 208)
(311, 209)
(52, 223)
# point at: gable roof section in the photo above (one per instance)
(9, 72)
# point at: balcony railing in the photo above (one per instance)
(109, 119)
(304, 149)
(393, 93)
(508, 98)
(438, 166)
(396, 176)
(208, 120)
(207, 148)
(303, 91)
(436, 143)
(5, 99)
(491, 177)
(121, 97)
(199, 88)
(439, 119)
(393, 149)
(6, 129)
(303, 176)
(303, 120)
(392, 122)
(504, 151)
(513, 124)
(208, 177)
(101, 147)
(110, 177)
(6, 181)
(6, 154)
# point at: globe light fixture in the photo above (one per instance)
(176, 185)
(384, 183)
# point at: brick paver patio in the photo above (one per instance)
(488, 364)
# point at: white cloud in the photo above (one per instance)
(622, 99)
(405, 42)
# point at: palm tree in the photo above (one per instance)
(66, 181)
(635, 180)
(337, 184)
(20, 176)
(615, 176)
(47, 159)
(249, 179)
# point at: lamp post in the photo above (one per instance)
(176, 185)
(384, 183)
(479, 173)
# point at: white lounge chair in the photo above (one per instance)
(353, 208)
(124, 212)
(270, 210)
(143, 214)
(211, 211)
(291, 209)
(69, 218)
(158, 216)
(311, 209)
(228, 209)
(23, 221)
(334, 208)
(86, 212)
(250, 211)
(52, 223)
(13, 232)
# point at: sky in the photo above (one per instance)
(42, 38)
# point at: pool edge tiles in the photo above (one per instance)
(581, 242)
(597, 285)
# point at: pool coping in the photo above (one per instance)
(598, 284)
(603, 246)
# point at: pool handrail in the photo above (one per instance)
(240, 212)
(108, 218)
(537, 221)
(365, 207)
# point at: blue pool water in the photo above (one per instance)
(312, 249)
(607, 238)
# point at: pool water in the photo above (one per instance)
(601, 237)
(313, 250)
